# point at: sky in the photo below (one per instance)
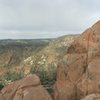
(29, 19)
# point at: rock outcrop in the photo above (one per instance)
(78, 74)
(29, 88)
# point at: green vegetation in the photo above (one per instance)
(18, 50)
(9, 77)
(1, 86)
(47, 77)
(13, 76)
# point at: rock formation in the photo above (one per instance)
(29, 88)
(78, 73)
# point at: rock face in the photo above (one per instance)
(78, 74)
(28, 88)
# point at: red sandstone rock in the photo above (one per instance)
(29, 88)
(1, 96)
(79, 71)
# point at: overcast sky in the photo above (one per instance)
(46, 18)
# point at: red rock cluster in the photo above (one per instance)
(29, 88)
(78, 74)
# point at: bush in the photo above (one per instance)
(1, 85)
(47, 77)
(13, 76)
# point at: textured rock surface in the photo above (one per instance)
(79, 71)
(92, 97)
(1, 97)
(28, 88)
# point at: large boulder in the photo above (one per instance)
(79, 70)
(29, 88)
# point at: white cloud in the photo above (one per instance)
(27, 18)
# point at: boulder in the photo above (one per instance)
(78, 71)
(29, 88)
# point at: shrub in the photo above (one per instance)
(13, 76)
(47, 77)
(1, 85)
